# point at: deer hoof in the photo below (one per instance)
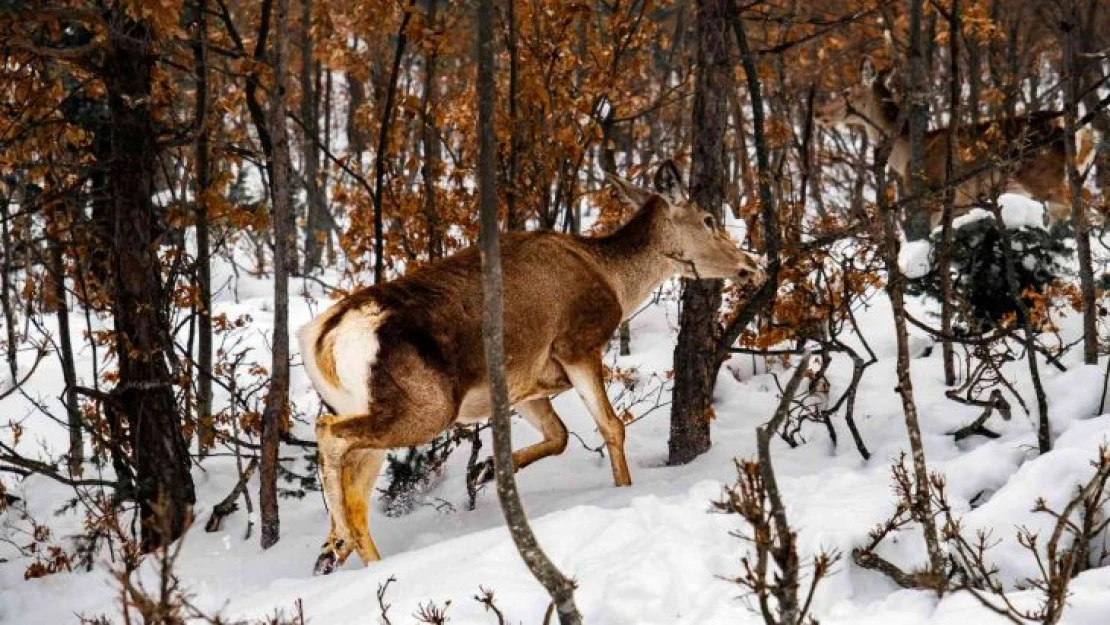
(481, 473)
(326, 563)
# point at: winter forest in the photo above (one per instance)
(555, 311)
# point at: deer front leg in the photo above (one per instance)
(588, 380)
(542, 416)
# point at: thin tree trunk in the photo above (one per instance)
(430, 168)
(383, 146)
(65, 343)
(144, 392)
(918, 115)
(974, 77)
(558, 587)
(515, 220)
(316, 229)
(1071, 72)
(277, 399)
(205, 430)
(695, 355)
(10, 321)
(944, 255)
(763, 298)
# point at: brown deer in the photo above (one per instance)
(400, 362)
(1023, 154)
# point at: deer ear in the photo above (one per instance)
(668, 183)
(632, 194)
(867, 71)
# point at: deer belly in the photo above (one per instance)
(548, 382)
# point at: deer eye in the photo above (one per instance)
(710, 222)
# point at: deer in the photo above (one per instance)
(1024, 154)
(400, 362)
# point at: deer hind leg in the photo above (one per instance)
(588, 380)
(346, 477)
(360, 470)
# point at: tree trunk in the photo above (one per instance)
(430, 168)
(918, 114)
(695, 355)
(948, 355)
(383, 147)
(1072, 72)
(65, 344)
(144, 393)
(515, 220)
(277, 400)
(316, 230)
(205, 429)
(10, 322)
(558, 587)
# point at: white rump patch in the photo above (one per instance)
(354, 345)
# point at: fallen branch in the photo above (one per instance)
(228, 505)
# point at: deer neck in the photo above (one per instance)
(634, 259)
(881, 125)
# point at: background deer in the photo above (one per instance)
(993, 155)
(400, 362)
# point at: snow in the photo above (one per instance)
(650, 553)
(914, 258)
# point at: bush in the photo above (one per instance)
(978, 269)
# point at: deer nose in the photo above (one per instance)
(756, 268)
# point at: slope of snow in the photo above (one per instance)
(651, 553)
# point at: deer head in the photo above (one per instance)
(869, 104)
(688, 236)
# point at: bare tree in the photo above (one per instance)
(204, 253)
(316, 225)
(695, 354)
(277, 400)
(558, 587)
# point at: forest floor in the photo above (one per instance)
(651, 553)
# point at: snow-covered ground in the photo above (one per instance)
(651, 553)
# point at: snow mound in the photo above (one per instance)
(913, 258)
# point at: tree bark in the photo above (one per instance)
(515, 220)
(316, 224)
(1071, 73)
(144, 393)
(65, 344)
(383, 146)
(10, 322)
(277, 399)
(430, 138)
(918, 114)
(558, 587)
(948, 355)
(205, 430)
(695, 355)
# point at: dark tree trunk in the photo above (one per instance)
(558, 587)
(946, 308)
(515, 220)
(430, 168)
(383, 147)
(65, 344)
(10, 322)
(695, 355)
(277, 400)
(144, 394)
(316, 225)
(918, 115)
(1072, 71)
(205, 429)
